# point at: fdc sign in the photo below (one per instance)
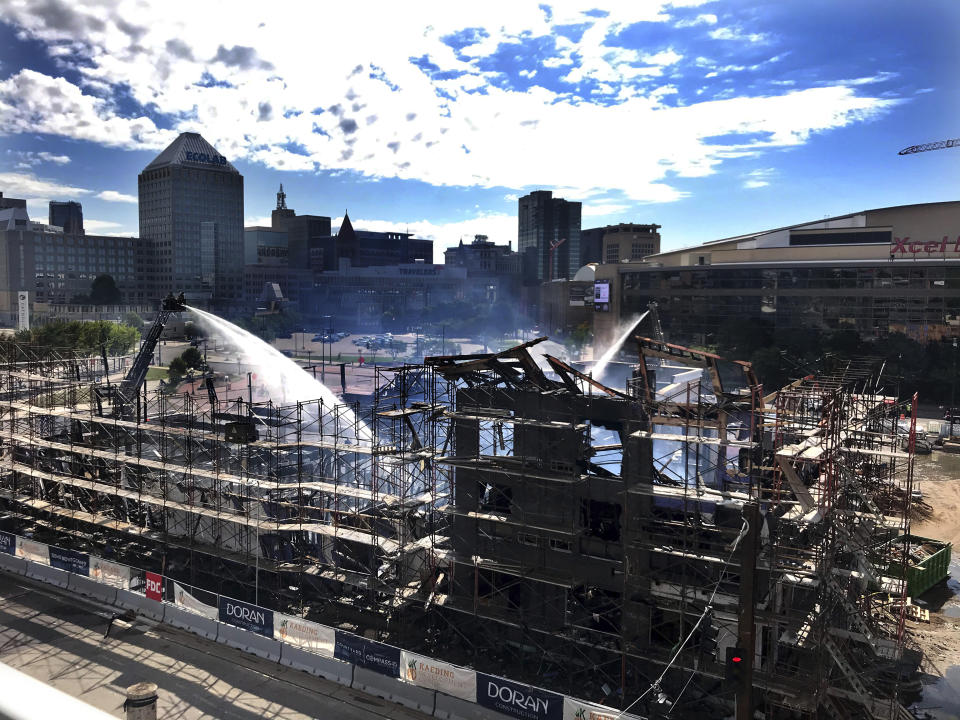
(154, 586)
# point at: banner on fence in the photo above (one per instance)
(517, 700)
(188, 602)
(435, 675)
(70, 560)
(574, 709)
(304, 634)
(8, 543)
(110, 573)
(154, 588)
(244, 615)
(33, 551)
(368, 654)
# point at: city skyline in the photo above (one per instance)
(708, 118)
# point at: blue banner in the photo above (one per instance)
(246, 616)
(348, 648)
(380, 658)
(8, 543)
(368, 654)
(517, 700)
(70, 560)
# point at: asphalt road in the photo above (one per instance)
(59, 639)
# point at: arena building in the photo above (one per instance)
(894, 269)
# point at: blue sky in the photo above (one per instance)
(709, 118)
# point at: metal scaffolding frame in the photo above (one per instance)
(509, 512)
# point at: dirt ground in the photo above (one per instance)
(938, 477)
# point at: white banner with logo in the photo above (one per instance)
(34, 551)
(110, 573)
(435, 675)
(304, 634)
(574, 709)
(188, 602)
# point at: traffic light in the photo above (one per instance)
(736, 670)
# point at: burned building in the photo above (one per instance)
(507, 512)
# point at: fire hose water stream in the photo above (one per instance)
(284, 380)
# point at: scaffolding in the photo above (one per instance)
(507, 511)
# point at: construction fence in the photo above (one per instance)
(407, 678)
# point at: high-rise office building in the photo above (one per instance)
(68, 215)
(191, 215)
(548, 234)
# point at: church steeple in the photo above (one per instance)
(281, 214)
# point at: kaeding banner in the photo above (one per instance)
(33, 551)
(110, 573)
(435, 675)
(304, 634)
(574, 709)
(187, 601)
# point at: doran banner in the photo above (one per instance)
(435, 675)
(110, 573)
(188, 602)
(8, 543)
(304, 634)
(523, 702)
(33, 551)
(574, 709)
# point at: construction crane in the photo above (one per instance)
(554, 246)
(939, 145)
(127, 391)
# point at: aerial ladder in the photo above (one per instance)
(126, 392)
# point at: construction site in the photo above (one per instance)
(691, 544)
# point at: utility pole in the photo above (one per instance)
(746, 638)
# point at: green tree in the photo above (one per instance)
(192, 358)
(103, 291)
(133, 320)
(177, 369)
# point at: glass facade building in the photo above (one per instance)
(191, 217)
(877, 272)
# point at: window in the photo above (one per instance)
(613, 253)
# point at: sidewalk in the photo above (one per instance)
(58, 639)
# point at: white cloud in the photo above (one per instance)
(114, 196)
(758, 178)
(30, 158)
(604, 208)
(31, 102)
(703, 19)
(23, 185)
(99, 226)
(255, 102)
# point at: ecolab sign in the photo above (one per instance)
(906, 246)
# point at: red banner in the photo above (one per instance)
(154, 586)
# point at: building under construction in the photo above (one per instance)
(508, 512)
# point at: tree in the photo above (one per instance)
(103, 291)
(177, 369)
(192, 358)
(133, 320)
